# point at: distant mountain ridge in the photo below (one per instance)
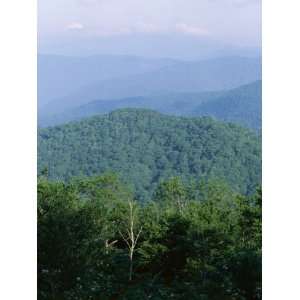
(241, 105)
(175, 46)
(181, 77)
(59, 76)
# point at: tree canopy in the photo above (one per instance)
(194, 241)
(146, 147)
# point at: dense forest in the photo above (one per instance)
(146, 147)
(191, 241)
(241, 105)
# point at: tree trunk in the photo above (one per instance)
(130, 265)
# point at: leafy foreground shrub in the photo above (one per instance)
(196, 241)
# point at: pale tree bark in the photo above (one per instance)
(109, 245)
(180, 204)
(131, 235)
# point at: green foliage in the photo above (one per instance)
(145, 147)
(208, 248)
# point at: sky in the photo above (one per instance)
(67, 23)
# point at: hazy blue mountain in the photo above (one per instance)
(175, 46)
(182, 77)
(174, 103)
(145, 147)
(241, 105)
(59, 76)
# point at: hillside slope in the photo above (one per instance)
(145, 147)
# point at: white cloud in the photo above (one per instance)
(75, 26)
(231, 21)
(106, 32)
(140, 27)
(191, 30)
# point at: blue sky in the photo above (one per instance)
(233, 22)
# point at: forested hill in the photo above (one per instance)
(145, 147)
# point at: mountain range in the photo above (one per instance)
(65, 83)
(59, 76)
(241, 105)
